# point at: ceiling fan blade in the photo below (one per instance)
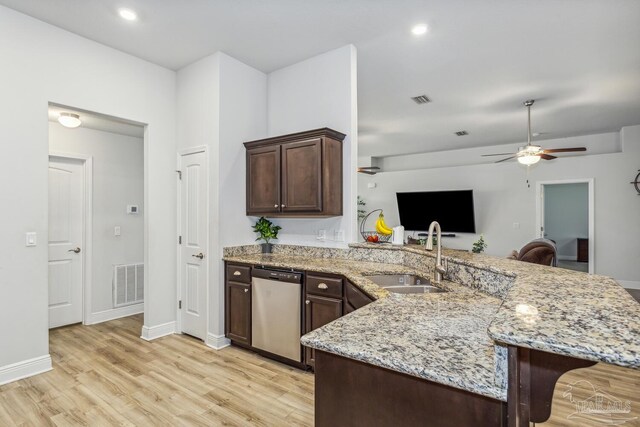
(497, 154)
(369, 171)
(504, 160)
(547, 156)
(565, 150)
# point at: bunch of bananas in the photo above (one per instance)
(381, 227)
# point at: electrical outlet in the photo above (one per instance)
(516, 225)
(322, 235)
(338, 235)
(116, 230)
(372, 185)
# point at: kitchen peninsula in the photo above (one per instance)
(490, 349)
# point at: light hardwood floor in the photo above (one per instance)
(106, 375)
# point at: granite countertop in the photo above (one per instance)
(441, 337)
(559, 311)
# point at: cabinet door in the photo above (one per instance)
(238, 312)
(318, 312)
(302, 176)
(263, 180)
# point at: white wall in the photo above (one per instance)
(221, 104)
(45, 64)
(319, 92)
(118, 181)
(566, 216)
(502, 198)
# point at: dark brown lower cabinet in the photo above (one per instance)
(354, 298)
(349, 393)
(318, 312)
(238, 312)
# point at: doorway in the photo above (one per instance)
(193, 242)
(565, 216)
(96, 226)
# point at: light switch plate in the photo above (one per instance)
(372, 185)
(31, 239)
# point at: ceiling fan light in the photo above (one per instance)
(529, 159)
(69, 120)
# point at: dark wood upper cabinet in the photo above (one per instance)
(295, 175)
(263, 180)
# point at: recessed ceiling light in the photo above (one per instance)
(421, 99)
(128, 14)
(69, 120)
(419, 29)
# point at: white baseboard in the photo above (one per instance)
(114, 313)
(217, 342)
(24, 369)
(629, 284)
(152, 332)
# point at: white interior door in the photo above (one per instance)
(66, 229)
(193, 261)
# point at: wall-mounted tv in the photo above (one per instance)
(452, 209)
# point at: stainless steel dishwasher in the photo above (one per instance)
(276, 321)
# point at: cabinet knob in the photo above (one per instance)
(237, 273)
(275, 206)
(283, 206)
(323, 286)
(246, 290)
(307, 302)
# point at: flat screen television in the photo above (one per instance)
(452, 209)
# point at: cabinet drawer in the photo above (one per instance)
(239, 273)
(327, 286)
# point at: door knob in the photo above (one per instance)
(200, 255)
(76, 250)
(283, 206)
(246, 290)
(275, 206)
(307, 302)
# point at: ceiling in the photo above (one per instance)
(479, 61)
(99, 121)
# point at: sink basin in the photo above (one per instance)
(415, 289)
(404, 283)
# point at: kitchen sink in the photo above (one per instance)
(404, 283)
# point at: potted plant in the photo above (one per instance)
(267, 232)
(479, 246)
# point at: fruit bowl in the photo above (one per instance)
(381, 237)
(375, 236)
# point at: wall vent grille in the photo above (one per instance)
(421, 99)
(128, 284)
(462, 133)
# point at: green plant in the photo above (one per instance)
(266, 229)
(361, 211)
(479, 246)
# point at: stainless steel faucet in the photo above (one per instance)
(439, 269)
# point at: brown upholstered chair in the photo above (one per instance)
(539, 251)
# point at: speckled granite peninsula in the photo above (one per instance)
(459, 338)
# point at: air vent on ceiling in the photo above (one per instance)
(421, 99)
(462, 133)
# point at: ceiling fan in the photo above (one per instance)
(369, 170)
(531, 154)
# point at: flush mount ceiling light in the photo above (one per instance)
(419, 29)
(69, 120)
(128, 14)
